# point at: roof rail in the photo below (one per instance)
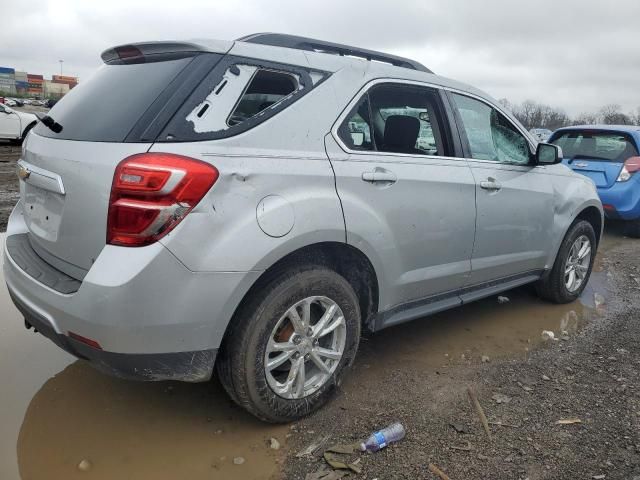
(310, 44)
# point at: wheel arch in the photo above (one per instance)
(344, 259)
(592, 215)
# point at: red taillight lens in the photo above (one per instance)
(151, 193)
(632, 164)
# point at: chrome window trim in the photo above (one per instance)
(377, 81)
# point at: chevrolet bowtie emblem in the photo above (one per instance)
(23, 172)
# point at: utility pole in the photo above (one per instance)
(61, 62)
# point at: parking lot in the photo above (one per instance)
(58, 412)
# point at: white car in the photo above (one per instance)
(9, 102)
(15, 125)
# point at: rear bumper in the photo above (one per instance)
(184, 366)
(153, 318)
(624, 197)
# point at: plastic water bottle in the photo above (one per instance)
(379, 440)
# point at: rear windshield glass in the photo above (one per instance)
(107, 106)
(608, 146)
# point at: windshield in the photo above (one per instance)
(608, 146)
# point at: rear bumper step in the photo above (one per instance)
(30, 262)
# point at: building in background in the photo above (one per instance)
(67, 80)
(35, 85)
(22, 83)
(7, 80)
(55, 90)
(32, 85)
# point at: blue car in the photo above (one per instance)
(608, 155)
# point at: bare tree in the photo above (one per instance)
(586, 119)
(611, 115)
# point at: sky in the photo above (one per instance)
(571, 54)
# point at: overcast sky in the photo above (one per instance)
(574, 54)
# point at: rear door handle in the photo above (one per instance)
(490, 184)
(379, 175)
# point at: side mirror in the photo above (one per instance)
(548, 154)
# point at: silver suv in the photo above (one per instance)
(252, 206)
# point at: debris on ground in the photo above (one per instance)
(548, 335)
(274, 443)
(336, 462)
(485, 359)
(326, 475)
(459, 427)
(382, 438)
(502, 300)
(479, 411)
(501, 398)
(466, 448)
(568, 421)
(84, 465)
(238, 460)
(313, 447)
(433, 468)
(545, 378)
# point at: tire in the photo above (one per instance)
(633, 228)
(553, 287)
(241, 363)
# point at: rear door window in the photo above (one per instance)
(397, 118)
(108, 105)
(595, 145)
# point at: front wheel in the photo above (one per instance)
(573, 265)
(290, 344)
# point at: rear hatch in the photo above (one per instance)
(119, 111)
(597, 154)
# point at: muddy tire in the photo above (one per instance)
(633, 228)
(556, 286)
(263, 332)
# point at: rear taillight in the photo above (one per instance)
(631, 166)
(151, 193)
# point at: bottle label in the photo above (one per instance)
(382, 442)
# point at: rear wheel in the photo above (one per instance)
(633, 228)
(291, 343)
(573, 265)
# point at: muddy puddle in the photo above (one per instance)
(56, 411)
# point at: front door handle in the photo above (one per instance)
(490, 184)
(379, 175)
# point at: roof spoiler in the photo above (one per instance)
(150, 52)
(310, 44)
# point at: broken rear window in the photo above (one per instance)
(237, 95)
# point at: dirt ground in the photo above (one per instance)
(57, 411)
(591, 374)
(9, 194)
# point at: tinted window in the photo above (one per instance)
(398, 119)
(610, 146)
(490, 134)
(107, 106)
